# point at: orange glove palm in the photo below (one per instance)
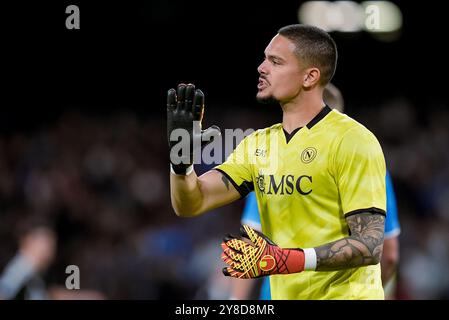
(258, 257)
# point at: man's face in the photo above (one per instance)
(281, 76)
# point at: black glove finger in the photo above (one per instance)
(181, 96)
(171, 100)
(225, 271)
(243, 233)
(190, 92)
(230, 272)
(260, 234)
(228, 237)
(198, 105)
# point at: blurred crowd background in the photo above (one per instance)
(84, 174)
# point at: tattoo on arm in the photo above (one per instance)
(225, 181)
(363, 247)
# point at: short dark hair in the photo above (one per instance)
(315, 47)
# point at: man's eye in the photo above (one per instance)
(275, 62)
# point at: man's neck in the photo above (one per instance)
(299, 113)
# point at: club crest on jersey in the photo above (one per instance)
(260, 181)
(308, 155)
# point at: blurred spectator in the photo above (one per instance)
(37, 248)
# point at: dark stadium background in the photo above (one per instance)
(72, 100)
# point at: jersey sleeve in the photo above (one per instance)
(237, 168)
(251, 214)
(392, 227)
(360, 172)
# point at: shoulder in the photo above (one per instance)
(352, 141)
(350, 130)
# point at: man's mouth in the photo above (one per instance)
(262, 84)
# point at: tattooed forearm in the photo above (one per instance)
(363, 247)
(225, 181)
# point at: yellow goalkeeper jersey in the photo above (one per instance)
(306, 183)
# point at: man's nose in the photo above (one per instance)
(262, 68)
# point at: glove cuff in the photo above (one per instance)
(181, 170)
(309, 259)
(294, 262)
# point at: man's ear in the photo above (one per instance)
(311, 77)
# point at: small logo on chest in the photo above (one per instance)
(260, 153)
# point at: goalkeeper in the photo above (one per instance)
(319, 179)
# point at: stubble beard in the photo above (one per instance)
(267, 100)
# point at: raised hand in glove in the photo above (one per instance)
(185, 109)
(254, 255)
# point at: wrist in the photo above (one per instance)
(181, 169)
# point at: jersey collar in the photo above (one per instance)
(326, 109)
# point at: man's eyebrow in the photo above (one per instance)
(274, 57)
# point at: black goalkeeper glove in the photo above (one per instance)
(185, 109)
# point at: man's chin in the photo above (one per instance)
(267, 99)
